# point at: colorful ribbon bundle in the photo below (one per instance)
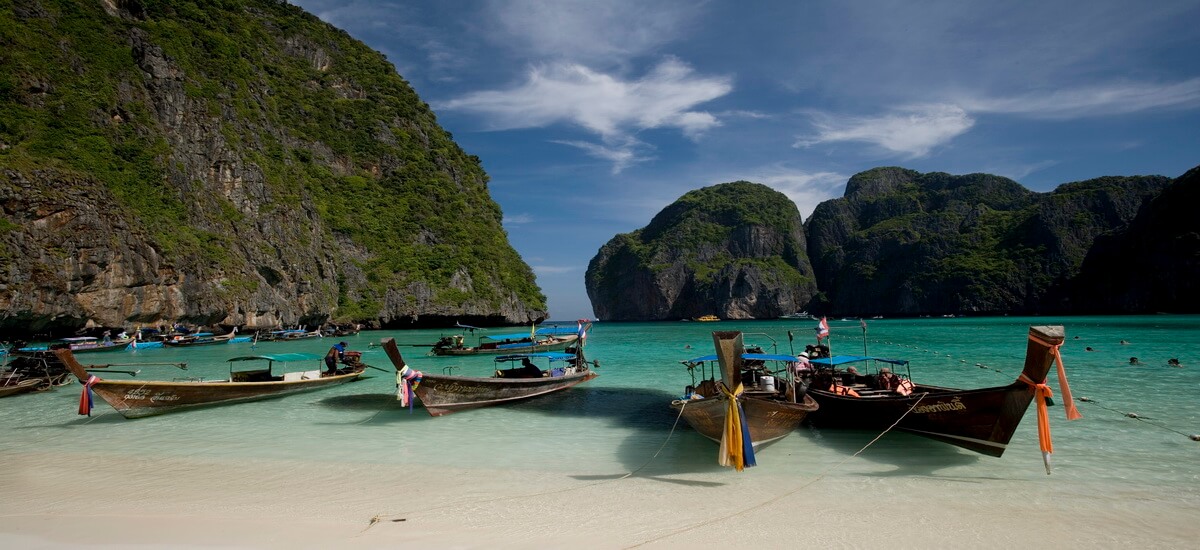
(1041, 393)
(737, 449)
(85, 398)
(407, 380)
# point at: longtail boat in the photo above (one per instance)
(91, 344)
(146, 398)
(982, 420)
(201, 339)
(27, 371)
(745, 409)
(538, 340)
(443, 394)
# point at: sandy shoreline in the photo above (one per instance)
(71, 501)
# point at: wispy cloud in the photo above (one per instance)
(912, 131)
(621, 156)
(1091, 101)
(806, 189)
(604, 104)
(585, 31)
(517, 219)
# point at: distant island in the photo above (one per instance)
(903, 243)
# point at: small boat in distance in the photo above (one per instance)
(201, 339)
(981, 420)
(442, 394)
(708, 318)
(744, 410)
(91, 344)
(289, 335)
(151, 397)
(797, 315)
(556, 338)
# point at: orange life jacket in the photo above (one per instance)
(843, 390)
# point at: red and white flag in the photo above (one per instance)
(822, 330)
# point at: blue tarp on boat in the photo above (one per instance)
(749, 356)
(843, 359)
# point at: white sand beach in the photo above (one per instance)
(98, 501)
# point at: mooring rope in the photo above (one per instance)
(380, 517)
(1140, 418)
(789, 493)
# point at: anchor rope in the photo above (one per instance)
(1135, 416)
(815, 479)
(380, 517)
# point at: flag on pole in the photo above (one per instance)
(863, 323)
(822, 330)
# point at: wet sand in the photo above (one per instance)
(98, 501)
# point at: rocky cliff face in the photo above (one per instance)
(242, 165)
(734, 250)
(1153, 266)
(904, 243)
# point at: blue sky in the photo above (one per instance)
(591, 116)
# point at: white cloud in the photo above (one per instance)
(1090, 101)
(621, 155)
(609, 32)
(604, 104)
(517, 219)
(913, 131)
(806, 189)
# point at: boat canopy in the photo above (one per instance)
(748, 356)
(278, 357)
(843, 359)
(553, 355)
(556, 330)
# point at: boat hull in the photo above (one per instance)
(140, 399)
(558, 344)
(982, 420)
(442, 395)
(117, 345)
(769, 420)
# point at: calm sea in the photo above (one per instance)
(619, 421)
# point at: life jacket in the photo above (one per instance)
(905, 387)
(843, 390)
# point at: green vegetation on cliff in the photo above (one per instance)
(734, 249)
(905, 243)
(172, 107)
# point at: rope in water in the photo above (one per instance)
(815, 479)
(380, 517)
(1138, 417)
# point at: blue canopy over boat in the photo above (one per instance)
(553, 355)
(749, 356)
(278, 357)
(843, 359)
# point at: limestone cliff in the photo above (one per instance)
(900, 242)
(734, 250)
(240, 163)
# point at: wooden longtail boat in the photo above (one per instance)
(146, 398)
(28, 371)
(982, 420)
(767, 412)
(543, 339)
(200, 339)
(90, 344)
(443, 394)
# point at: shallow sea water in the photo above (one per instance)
(1106, 465)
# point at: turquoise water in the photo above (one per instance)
(619, 421)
